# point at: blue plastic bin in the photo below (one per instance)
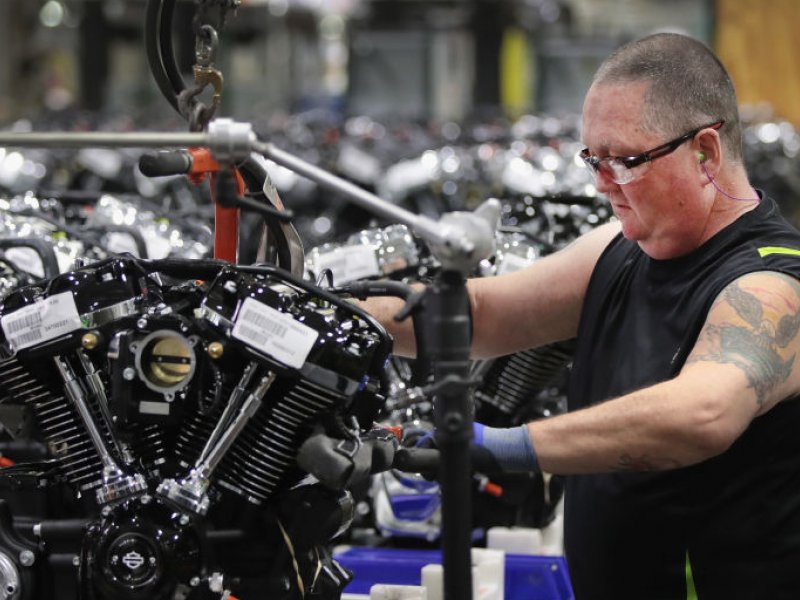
(527, 577)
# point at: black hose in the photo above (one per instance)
(166, 49)
(85, 235)
(151, 28)
(158, 38)
(44, 251)
(362, 290)
(184, 268)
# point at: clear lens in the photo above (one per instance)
(617, 172)
(613, 168)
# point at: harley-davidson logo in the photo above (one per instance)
(133, 560)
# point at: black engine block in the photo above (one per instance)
(169, 400)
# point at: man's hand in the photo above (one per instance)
(493, 451)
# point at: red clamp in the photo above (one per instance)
(226, 220)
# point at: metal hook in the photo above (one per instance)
(205, 74)
(205, 47)
(197, 113)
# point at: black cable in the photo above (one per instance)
(166, 49)
(84, 235)
(43, 249)
(151, 27)
(158, 45)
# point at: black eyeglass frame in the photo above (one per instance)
(649, 155)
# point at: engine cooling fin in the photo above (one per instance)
(63, 433)
(268, 446)
(514, 380)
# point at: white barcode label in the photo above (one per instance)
(348, 264)
(41, 322)
(274, 333)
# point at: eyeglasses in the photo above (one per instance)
(619, 169)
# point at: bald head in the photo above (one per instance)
(687, 86)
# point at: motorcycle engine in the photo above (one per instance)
(169, 400)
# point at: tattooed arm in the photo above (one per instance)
(743, 363)
(754, 325)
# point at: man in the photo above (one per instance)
(683, 438)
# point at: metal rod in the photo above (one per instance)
(249, 408)
(116, 483)
(427, 228)
(192, 491)
(101, 139)
(234, 403)
(95, 383)
(76, 396)
(227, 140)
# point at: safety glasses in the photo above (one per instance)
(620, 169)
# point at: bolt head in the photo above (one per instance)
(215, 350)
(89, 341)
(27, 558)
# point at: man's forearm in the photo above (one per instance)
(384, 308)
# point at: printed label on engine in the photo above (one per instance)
(273, 332)
(41, 322)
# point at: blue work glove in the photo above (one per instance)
(493, 451)
(511, 447)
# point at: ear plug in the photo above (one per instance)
(701, 156)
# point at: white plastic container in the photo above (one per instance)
(488, 576)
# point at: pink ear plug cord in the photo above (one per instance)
(719, 189)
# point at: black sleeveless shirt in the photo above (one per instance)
(736, 516)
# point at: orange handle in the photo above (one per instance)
(226, 220)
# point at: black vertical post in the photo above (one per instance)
(488, 22)
(94, 49)
(447, 315)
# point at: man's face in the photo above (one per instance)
(662, 208)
